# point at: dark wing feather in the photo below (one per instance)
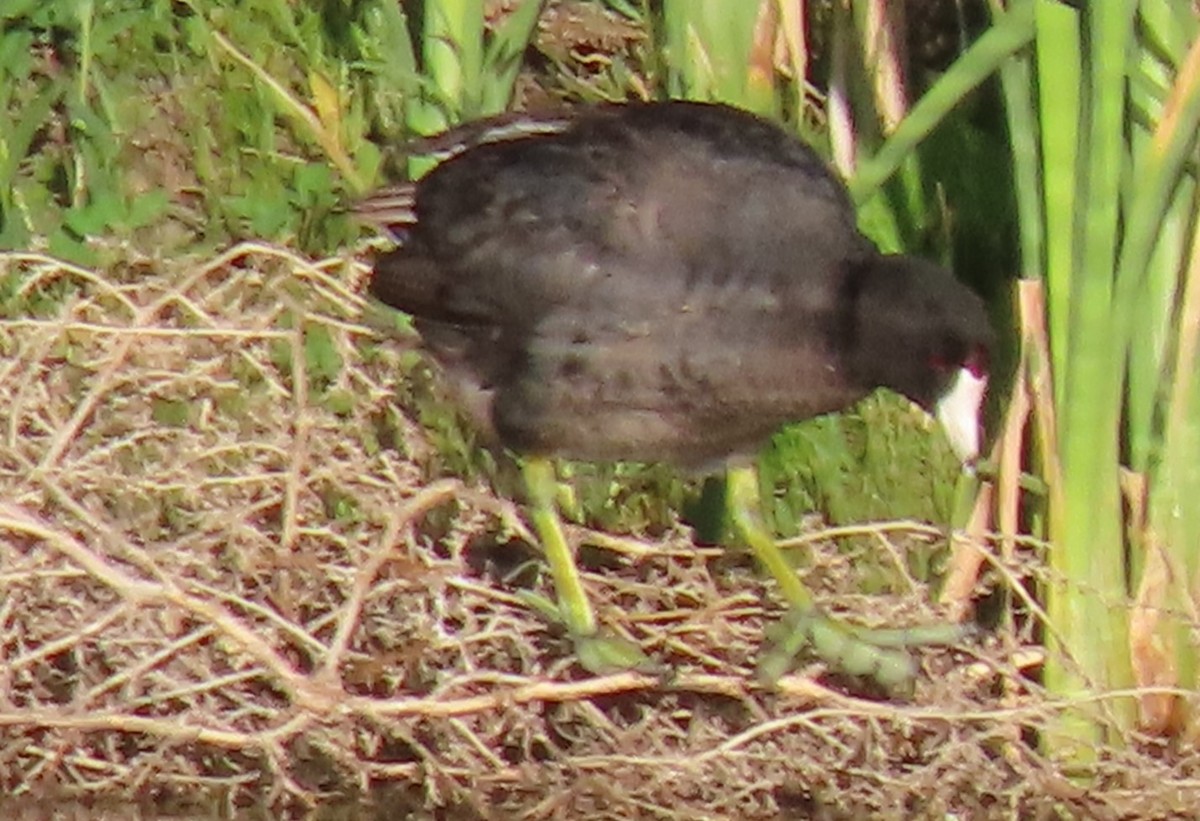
(649, 282)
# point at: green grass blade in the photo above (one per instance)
(502, 60)
(1158, 176)
(708, 45)
(1091, 555)
(1153, 318)
(1016, 85)
(1059, 78)
(1161, 209)
(1166, 29)
(1012, 32)
(1174, 514)
(452, 45)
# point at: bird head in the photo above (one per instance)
(925, 335)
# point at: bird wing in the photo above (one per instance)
(672, 272)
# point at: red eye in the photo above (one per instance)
(977, 361)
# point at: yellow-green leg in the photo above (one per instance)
(876, 654)
(597, 652)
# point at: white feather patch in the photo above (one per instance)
(959, 410)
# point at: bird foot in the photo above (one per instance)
(599, 652)
(879, 655)
(602, 654)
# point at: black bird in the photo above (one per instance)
(667, 282)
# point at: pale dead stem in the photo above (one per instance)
(320, 695)
(264, 624)
(315, 693)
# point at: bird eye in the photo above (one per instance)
(974, 360)
(977, 361)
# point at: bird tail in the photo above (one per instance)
(393, 209)
(498, 129)
(390, 209)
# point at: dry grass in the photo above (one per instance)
(216, 584)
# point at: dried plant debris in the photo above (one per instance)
(232, 574)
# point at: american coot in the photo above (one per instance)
(667, 282)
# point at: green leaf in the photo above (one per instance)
(320, 353)
(339, 402)
(17, 9)
(66, 246)
(502, 61)
(147, 208)
(172, 413)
